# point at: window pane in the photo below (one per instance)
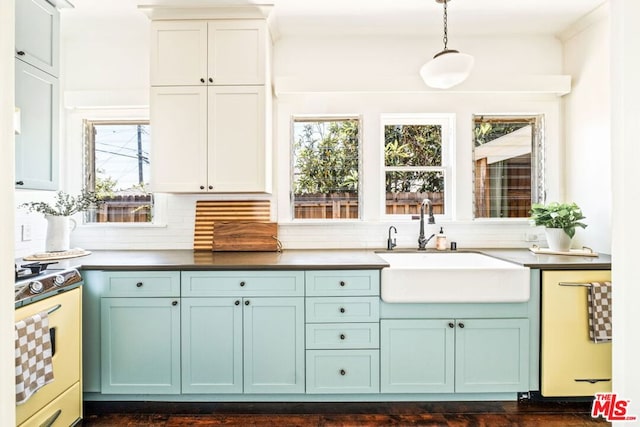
(405, 192)
(504, 171)
(414, 162)
(118, 171)
(325, 168)
(413, 145)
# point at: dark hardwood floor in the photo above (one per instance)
(440, 414)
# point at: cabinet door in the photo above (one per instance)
(492, 355)
(179, 132)
(416, 356)
(274, 345)
(38, 34)
(236, 52)
(140, 340)
(211, 345)
(36, 153)
(178, 53)
(237, 146)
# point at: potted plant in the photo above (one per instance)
(560, 221)
(58, 216)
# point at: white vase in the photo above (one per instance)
(58, 233)
(558, 240)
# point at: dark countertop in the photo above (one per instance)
(302, 259)
(551, 262)
(203, 260)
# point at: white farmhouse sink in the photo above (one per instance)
(452, 277)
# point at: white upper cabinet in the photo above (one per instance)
(210, 106)
(179, 135)
(209, 139)
(219, 52)
(236, 52)
(237, 161)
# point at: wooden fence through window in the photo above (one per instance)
(125, 209)
(345, 205)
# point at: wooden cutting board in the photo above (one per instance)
(245, 236)
(209, 212)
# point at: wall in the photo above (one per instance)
(379, 69)
(7, 178)
(625, 154)
(102, 71)
(588, 126)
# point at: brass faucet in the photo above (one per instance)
(422, 240)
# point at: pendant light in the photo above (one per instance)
(448, 67)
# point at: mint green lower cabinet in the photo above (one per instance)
(212, 345)
(492, 355)
(140, 345)
(454, 355)
(416, 356)
(274, 345)
(242, 345)
(343, 371)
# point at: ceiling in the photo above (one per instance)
(466, 17)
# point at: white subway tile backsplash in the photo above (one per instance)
(176, 232)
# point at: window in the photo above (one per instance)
(326, 168)
(416, 153)
(508, 166)
(117, 169)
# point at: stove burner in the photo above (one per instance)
(46, 285)
(35, 268)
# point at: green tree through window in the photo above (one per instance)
(326, 168)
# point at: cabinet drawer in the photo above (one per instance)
(343, 335)
(242, 283)
(350, 309)
(343, 282)
(142, 284)
(343, 371)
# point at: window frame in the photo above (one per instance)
(448, 123)
(292, 158)
(538, 160)
(89, 164)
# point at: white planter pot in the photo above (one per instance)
(58, 233)
(558, 240)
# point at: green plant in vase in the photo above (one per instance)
(58, 215)
(560, 221)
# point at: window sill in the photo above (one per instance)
(122, 225)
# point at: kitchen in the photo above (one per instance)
(574, 175)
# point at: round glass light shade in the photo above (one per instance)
(447, 69)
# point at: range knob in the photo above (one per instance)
(36, 287)
(58, 280)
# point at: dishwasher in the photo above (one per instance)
(571, 364)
